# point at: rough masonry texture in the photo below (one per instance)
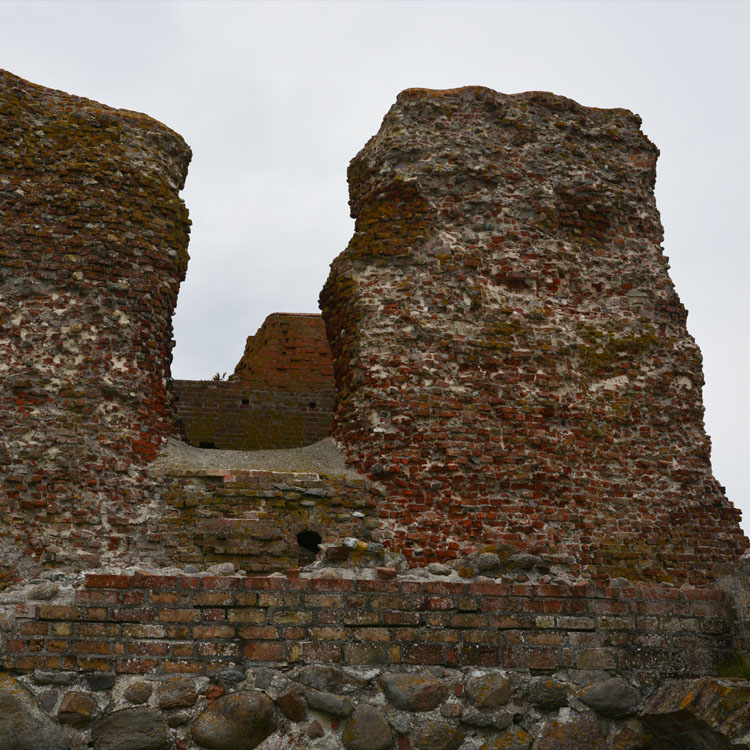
(513, 373)
(93, 239)
(511, 357)
(280, 395)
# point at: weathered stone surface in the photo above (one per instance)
(547, 693)
(506, 270)
(632, 736)
(132, 729)
(100, 680)
(22, 725)
(329, 703)
(488, 689)
(293, 705)
(321, 677)
(614, 698)
(437, 735)
(712, 711)
(76, 709)
(43, 591)
(515, 738)
(177, 692)
(413, 692)
(573, 731)
(367, 729)
(138, 692)
(240, 721)
(48, 677)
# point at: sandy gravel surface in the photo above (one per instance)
(321, 458)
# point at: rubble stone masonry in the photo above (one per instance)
(511, 357)
(93, 239)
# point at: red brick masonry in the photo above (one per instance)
(280, 395)
(152, 623)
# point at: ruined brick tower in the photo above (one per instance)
(93, 240)
(511, 357)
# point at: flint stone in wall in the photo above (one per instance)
(631, 737)
(547, 693)
(614, 698)
(100, 680)
(138, 692)
(411, 692)
(240, 721)
(437, 735)
(477, 718)
(515, 738)
(488, 689)
(132, 729)
(367, 729)
(292, 705)
(571, 731)
(329, 703)
(321, 677)
(715, 710)
(76, 709)
(177, 692)
(22, 725)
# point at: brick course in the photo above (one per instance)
(127, 624)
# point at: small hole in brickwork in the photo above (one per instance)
(312, 404)
(206, 444)
(309, 543)
(245, 401)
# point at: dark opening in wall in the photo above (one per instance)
(312, 404)
(245, 401)
(309, 544)
(206, 444)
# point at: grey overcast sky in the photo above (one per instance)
(276, 97)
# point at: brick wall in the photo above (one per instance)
(511, 357)
(93, 239)
(281, 394)
(155, 623)
(233, 415)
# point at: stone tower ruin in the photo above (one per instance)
(511, 357)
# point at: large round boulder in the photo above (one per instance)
(367, 729)
(132, 729)
(240, 721)
(23, 726)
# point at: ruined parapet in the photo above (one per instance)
(93, 240)
(511, 357)
(280, 395)
(289, 352)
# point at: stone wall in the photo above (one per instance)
(511, 357)
(231, 415)
(93, 241)
(253, 519)
(366, 664)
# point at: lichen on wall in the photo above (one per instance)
(93, 247)
(511, 357)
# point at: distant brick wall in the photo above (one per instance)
(152, 623)
(232, 415)
(281, 394)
